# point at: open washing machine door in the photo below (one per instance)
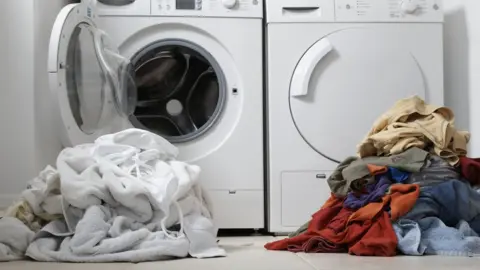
(92, 84)
(344, 82)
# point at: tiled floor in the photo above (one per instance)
(248, 253)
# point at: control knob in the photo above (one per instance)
(229, 3)
(409, 6)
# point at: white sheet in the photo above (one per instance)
(119, 197)
(14, 239)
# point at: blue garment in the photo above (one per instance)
(435, 172)
(430, 236)
(372, 193)
(451, 202)
(398, 176)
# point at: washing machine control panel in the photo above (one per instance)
(375, 11)
(209, 8)
(389, 10)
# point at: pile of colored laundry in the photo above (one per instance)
(411, 191)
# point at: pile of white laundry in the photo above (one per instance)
(122, 198)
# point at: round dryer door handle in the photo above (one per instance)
(303, 71)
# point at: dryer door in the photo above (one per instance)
(344, 82)
(92, 84)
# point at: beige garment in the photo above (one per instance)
(413, 123)
(23, 212)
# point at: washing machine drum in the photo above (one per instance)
(178, 93)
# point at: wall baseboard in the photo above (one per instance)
(7, 200)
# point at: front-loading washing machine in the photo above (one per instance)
(188, 70)
(334, 66)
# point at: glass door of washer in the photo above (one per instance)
(92, 83)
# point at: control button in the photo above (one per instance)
(436, 7)
(255, 2)
(409, 6)
(229, 3)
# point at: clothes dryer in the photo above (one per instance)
(334, 66)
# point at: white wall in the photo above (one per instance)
(462, 65)
(27, 138)
(16, 100)
(46, 141)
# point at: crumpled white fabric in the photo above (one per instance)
(40, 203)
(14, 239)
(43, 193)
(135, 173)
(124, 198)
(103, 236)
(143, 140)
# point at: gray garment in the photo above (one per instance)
(436, 171)
(14, 239)
(336, 181)
(102, 236)
(354, 174)
(412, 160)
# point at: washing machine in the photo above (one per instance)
(188, 70)
(333, 67)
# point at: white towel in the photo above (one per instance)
(14, 239)
(134, 173)
(43, 193)
(103, 236)
(143, 140)
(124, 198)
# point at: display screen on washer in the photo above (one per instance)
(189, 4)
(181, 90)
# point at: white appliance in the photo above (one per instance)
(194, 77)
(334, 66)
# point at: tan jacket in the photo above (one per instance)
(413, 123)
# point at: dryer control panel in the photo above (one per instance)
(374, 11)
(389, 11)
(208, 8)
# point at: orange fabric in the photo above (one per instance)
(401, 199)
(330, 202)
(375, 169)
(380, 239)
(330, 231)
